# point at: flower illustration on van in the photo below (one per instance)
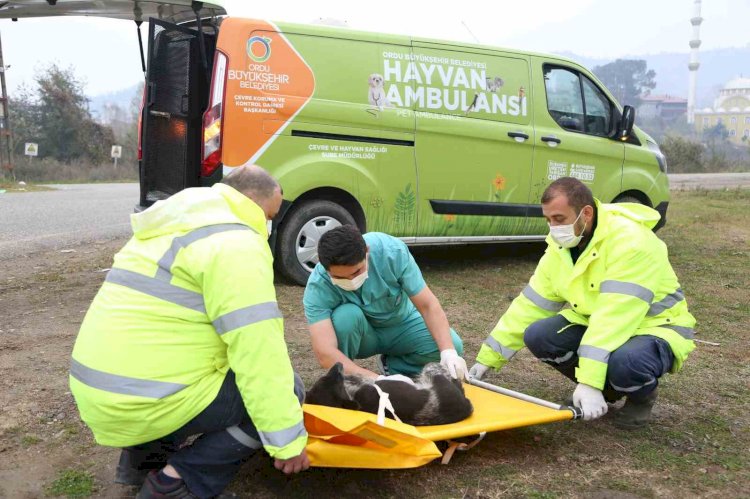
(259, 48)
(499, 182)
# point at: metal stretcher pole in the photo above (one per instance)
(577, 413)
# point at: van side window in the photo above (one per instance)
(564, 100)
(575, 103)
(597, 108)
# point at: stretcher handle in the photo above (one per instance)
(577, 413)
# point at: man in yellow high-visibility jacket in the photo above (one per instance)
(185, 337)
(627, 323)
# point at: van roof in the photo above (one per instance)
(386, 38)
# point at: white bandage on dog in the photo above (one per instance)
(383, 404)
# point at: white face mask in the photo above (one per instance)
(350, 284)
(565, 235)
(269, 227)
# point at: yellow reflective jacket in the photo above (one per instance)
(189, 297)
(621, 286)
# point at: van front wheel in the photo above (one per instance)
(297, 248)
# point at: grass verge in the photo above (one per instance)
(72, 483)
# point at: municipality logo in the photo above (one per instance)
(259, 48)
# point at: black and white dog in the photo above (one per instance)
(434, 399)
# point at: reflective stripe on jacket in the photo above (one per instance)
(189, 296)
(621, 286)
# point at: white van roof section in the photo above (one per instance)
(175, 11)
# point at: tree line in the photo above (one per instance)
(54, 113)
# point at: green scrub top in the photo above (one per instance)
(393, 277)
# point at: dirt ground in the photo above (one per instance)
(698, 445)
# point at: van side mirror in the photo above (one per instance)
(626, 123)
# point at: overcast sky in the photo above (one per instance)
(105, 56)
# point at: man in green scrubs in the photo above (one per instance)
(367, 297)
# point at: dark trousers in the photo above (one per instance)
(633, 369)
(227, 439)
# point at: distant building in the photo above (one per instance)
(732, 108)
(665, 107)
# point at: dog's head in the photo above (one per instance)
(329, 390)
(375, 80)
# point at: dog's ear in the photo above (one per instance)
(329, 389)
(336, 372)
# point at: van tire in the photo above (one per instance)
(311, 218)
(626, 198)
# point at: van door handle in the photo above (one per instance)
(519, 136)
(160, 114)
(551, 140)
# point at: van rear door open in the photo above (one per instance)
(175, 98)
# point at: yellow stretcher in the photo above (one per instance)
(341, 438)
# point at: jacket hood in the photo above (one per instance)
(634, 211)
(197, 207)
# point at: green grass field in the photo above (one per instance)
(698, 444)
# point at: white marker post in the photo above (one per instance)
(116, 153)
(31, 149)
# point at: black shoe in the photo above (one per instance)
(635, 413)
(134, 466)
(153, 489)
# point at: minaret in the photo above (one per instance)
(693, 65)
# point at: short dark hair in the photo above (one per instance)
(578, 193)
(341, 246)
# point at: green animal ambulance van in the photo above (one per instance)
(431, 141)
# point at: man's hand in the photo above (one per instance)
(293, 464)
(478, 371)
(455, 364)
(590, 400)
(395, 377)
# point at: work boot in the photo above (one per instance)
(153, 489)
(134, 464)
(635, 413)
(130, 473)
